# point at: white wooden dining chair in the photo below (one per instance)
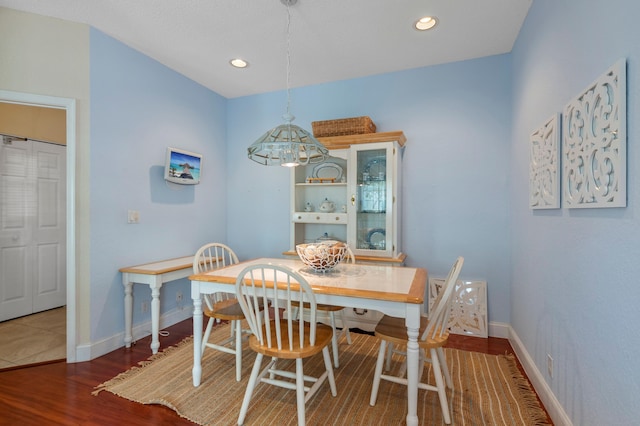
(434, 334)
(221, 306)
(282, 338)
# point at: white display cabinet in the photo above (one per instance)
(374, 212)
(354, 196)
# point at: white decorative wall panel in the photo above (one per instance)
(544, 170)
(594, 144)
(469, 310)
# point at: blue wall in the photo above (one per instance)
(457, 119)
(138, 108)
(575, 272)
(564, 279)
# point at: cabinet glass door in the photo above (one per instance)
(372, 198)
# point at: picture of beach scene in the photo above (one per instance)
(184, 166)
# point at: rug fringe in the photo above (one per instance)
(532, 403)
(141, 365)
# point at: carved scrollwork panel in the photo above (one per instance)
(594, 144)
(469, 309)
(544, 170)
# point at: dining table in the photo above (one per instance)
(398, 291)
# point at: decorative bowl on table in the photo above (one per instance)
(322, 256)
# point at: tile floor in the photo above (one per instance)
(34, 338)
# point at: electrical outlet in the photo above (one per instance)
(179, 297)
(145, 307)
(550, 365)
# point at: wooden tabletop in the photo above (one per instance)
(160, 267)
(382, 282)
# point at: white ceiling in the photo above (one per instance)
(330, 39)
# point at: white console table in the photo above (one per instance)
(154, 275)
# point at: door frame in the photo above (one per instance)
(69, 105)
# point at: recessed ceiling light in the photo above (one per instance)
(426, 23)
(239, 63)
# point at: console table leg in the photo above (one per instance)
(128, 310)
(155, 315)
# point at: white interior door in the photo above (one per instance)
(32, 227)
(15, 281)
(49, 227)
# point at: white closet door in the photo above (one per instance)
(15, 233)
(32, 228)
(49, 227)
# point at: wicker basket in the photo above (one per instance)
(343, 126)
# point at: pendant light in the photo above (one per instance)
(287, 144)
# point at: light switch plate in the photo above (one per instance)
(133, 216)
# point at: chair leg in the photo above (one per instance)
(250, 387)
(238, 327)
(442, 393)
(445, 368)
(378, 373)
(300, 391)
(207, 333)
(421, 360)
(345, 327)
(334, 339)
(273, 361)
(389, 355)
(328, 367)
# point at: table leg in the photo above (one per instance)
(197, 337)
(128, 310)
(413, 360)
(155, 314)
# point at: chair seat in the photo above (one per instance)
(319, 306)
(324, 334)
(394, 330)
(225, 310)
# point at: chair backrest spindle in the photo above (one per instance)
(258, 284)
(213, 256)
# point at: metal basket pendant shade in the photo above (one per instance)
(287, 145)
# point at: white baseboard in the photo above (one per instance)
(499, 329)
(104, 346)
(549, 400)
(83, 353)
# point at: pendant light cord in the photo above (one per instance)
(287, 144)
(288, 61)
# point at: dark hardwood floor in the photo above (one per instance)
(60, 394)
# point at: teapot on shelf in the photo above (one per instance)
(327, 206)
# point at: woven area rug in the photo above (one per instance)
(488, 390)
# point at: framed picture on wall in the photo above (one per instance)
(182, 167)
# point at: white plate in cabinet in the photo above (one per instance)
(319, 217)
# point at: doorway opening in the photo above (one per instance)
(69, 105)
